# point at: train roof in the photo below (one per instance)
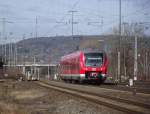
(77, 53)
(93, 51)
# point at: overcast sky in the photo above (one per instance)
(93, 17)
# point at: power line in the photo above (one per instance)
(138, 11)
(62, 19)
(56, 25)
(75, 4)
(97, 23)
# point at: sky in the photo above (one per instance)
(24, 18)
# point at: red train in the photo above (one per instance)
(84, 66)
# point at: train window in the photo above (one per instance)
(93, 59)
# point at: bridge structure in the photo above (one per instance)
(37, 71)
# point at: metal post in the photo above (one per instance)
(11, 53)
(146, 70)
(1, 45)
(15, 54)
(35, 67)
(5, 50)
(119, 77)
(36, 27)
(3, 32)
(23, 46)
(119, 51)
(38, 71)
(72, 24)
(4, 46)
(31, 71)
(48, 73)
(135, 59)
(72, 21)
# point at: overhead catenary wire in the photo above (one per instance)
(75, 4)
(63, 18)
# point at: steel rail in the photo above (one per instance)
(111, 102)
(105, 96)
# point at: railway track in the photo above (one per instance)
(123, 105)
(133, 89)
(124, 88)
(128, 88)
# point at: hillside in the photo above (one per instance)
(49, 50)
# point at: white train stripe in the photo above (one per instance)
(81, 75)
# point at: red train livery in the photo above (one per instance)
(84, 66)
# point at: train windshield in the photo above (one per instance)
(93, 59)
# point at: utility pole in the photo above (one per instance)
(102, 21)
(135, 59)
(4, 38)
(36, 27)
(11, 49)
(31, 35)
(23, 46)
(48, 73)
(1, 45)
(146, 64)
(36, 35)
(16, 54)
(35, 67)
(72, 22)
(124, 48)
(119, 50)
(10, 54)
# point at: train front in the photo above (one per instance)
(94, 66)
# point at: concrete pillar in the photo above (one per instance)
(24, 70)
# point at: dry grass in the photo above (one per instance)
(7, 104)
(11, 108)
(12, 73)
(20, 98)
(27, 94)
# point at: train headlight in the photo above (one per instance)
(102, 69)
(103, 75)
